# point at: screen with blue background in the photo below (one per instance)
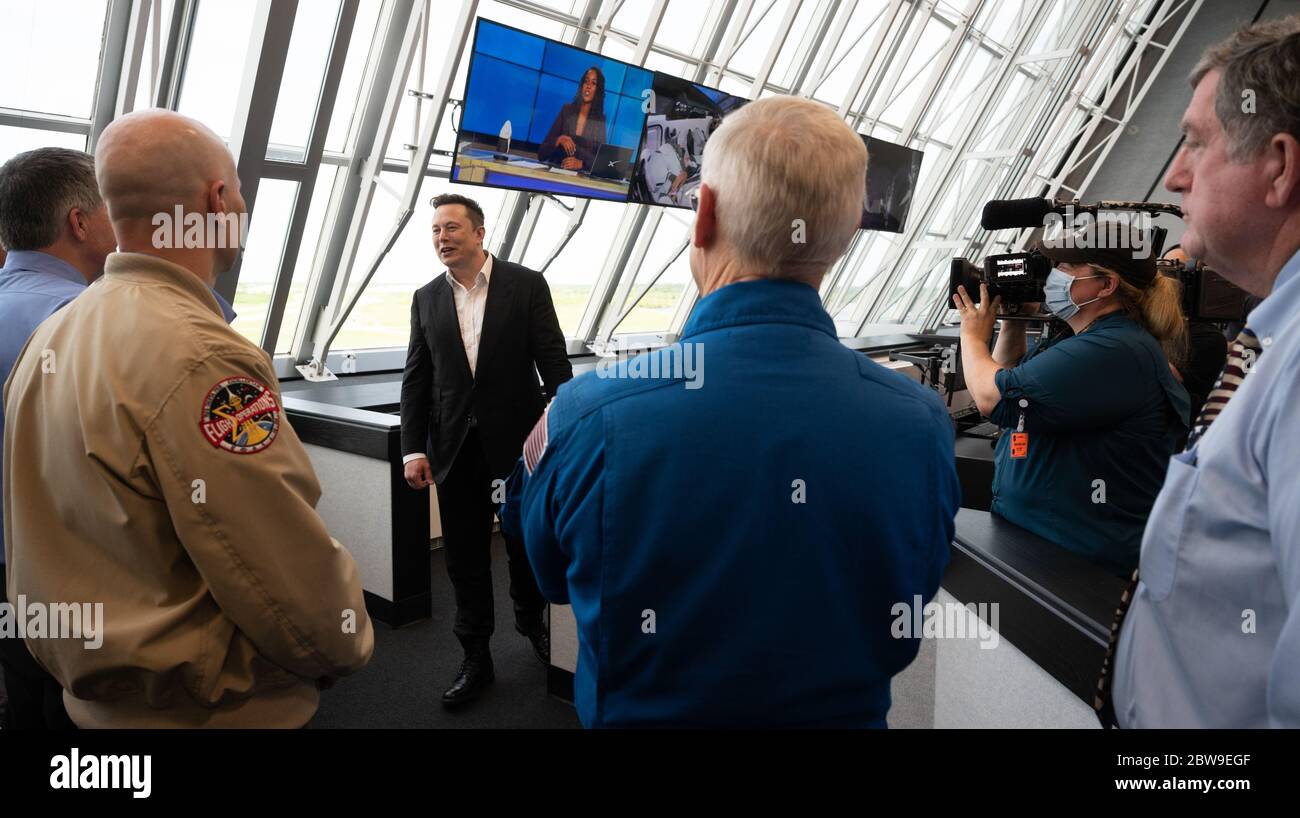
(526, 79)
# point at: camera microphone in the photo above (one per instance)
(1005, 214)
(1008, 214)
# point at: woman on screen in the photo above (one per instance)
(579, 128)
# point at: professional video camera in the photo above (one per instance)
(1207, 296)
(1019, 277)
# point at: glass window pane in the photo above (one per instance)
(573, 274)
(849, 53)
(654, 312)
(215, 65)
(407, 129)
(14, 141)
(348, 102)
(382, 317)
(784, 67)
(658, 62)
(685, 26)
(262, 252)
(50, 55)
(304, 73)
(1053, 28)
(148, 68)
(902, 99)
(311, 238)
(1001, 22)
(631, 16)
(764, 20)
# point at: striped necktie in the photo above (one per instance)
(1244, 354)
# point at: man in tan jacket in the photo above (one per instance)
(149, 467)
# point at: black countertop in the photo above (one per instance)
(378, 392)
(1054, 606)
(339, 426)
(382, 391)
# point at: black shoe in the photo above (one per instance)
(541, 639)
(472, 679)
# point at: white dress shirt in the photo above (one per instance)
(470, 305)
(469, 310)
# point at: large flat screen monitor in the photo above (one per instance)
(543, 116)
(892, 171)
(682, 116)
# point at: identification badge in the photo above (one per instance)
(1020, 438)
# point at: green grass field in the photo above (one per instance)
(382, 317)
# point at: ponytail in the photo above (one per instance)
(1159, 309)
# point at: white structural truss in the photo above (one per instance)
(1007, 99)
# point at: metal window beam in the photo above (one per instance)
(951, 168)
(774, 50)
(959, 34)
(166, 89)
(132, 62)
(1127, 74)
(686, 302)
(826, 72)
(1057, 128)
(384, 81)
(125, 27)
(969, 197)
(634, 217)
(810, 43)
(830, 41)
(14, 118)
(325, 334)
(869, 62)
(947, 59)
(895, 62)
(722, 28)
(310, 169)
(641, 242)
(255, 107)
(1090, 24)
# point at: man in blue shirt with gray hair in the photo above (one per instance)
(735, 546)
(1212, 636)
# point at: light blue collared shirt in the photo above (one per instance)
(1213, 635)
(33, 286)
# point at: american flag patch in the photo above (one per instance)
(535, 445)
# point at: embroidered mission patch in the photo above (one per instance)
(240, 415)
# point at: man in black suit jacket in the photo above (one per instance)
(480, 334)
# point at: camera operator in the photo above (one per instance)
(1094, 416)
(1207, 350)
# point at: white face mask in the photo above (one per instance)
(1057, 292)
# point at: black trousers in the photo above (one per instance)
(466, 506)
(35, 698)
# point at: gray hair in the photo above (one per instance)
(1262, 60)
(38, 189)
(790, 177)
